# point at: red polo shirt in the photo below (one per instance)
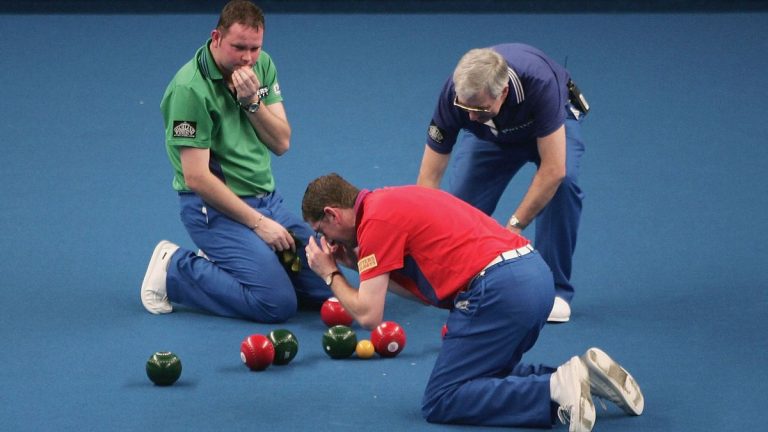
(449, 240)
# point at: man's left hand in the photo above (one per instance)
(246, 85)
(320, 257)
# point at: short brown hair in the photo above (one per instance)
(240, 12)
(330, 190)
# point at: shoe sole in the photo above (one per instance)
(584, 421)
(612, 380)
(157, 254)
(587, 406)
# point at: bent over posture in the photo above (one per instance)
(497, 287)
(514, 105)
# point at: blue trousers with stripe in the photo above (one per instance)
(242, 277)
(482, 170)
(478, 378)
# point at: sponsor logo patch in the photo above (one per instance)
(184, 129)
(276, 88)
(367, 263)
(263, 92)
(435, 133)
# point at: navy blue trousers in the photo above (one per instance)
(481, 171)
(478, 378)
(243, 277)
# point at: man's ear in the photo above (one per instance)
(330, 212)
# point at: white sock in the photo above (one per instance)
(554, 388)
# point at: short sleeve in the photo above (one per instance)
(267, 73)
(382, 248)
(187, 122)
(446, 121)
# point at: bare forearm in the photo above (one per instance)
(547, 179)
(362, 311)
(541, 191)
(432, 168)
(274, 131)
(269, 121)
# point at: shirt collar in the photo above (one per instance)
(359, 206)
(516, 91)
(206, 64)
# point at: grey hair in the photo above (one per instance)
(480, 69)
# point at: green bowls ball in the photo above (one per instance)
(163, 368)
(286, 346)
(339, 342)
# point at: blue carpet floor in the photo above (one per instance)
(670, 269)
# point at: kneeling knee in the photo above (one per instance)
(432, 407)
(274, 309)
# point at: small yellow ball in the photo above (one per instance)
(364, 349)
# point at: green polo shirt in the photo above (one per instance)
(199, 111)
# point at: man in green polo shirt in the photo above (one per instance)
(223, 115)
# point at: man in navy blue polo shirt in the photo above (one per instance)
(513, 106)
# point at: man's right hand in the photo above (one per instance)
(274, 235)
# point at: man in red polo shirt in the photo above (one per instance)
(430, 246)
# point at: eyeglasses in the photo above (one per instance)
(469, 108)
(319, 232)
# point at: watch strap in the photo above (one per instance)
(329, 278)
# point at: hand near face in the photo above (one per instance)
(246, 85)
(320, 257)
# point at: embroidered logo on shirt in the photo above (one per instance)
(276, 88)
(184, 129)
(263, 92)
(435, 133)
(367, 263)
(517, 128)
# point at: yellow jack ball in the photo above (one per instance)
(364, 349)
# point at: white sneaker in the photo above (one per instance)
(608, 380)
(153, 294)
(561, 311)
(569, 388)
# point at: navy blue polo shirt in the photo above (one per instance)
(535, 105)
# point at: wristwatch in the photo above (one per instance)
(514, 222)
(252, 108)
(329, 278)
